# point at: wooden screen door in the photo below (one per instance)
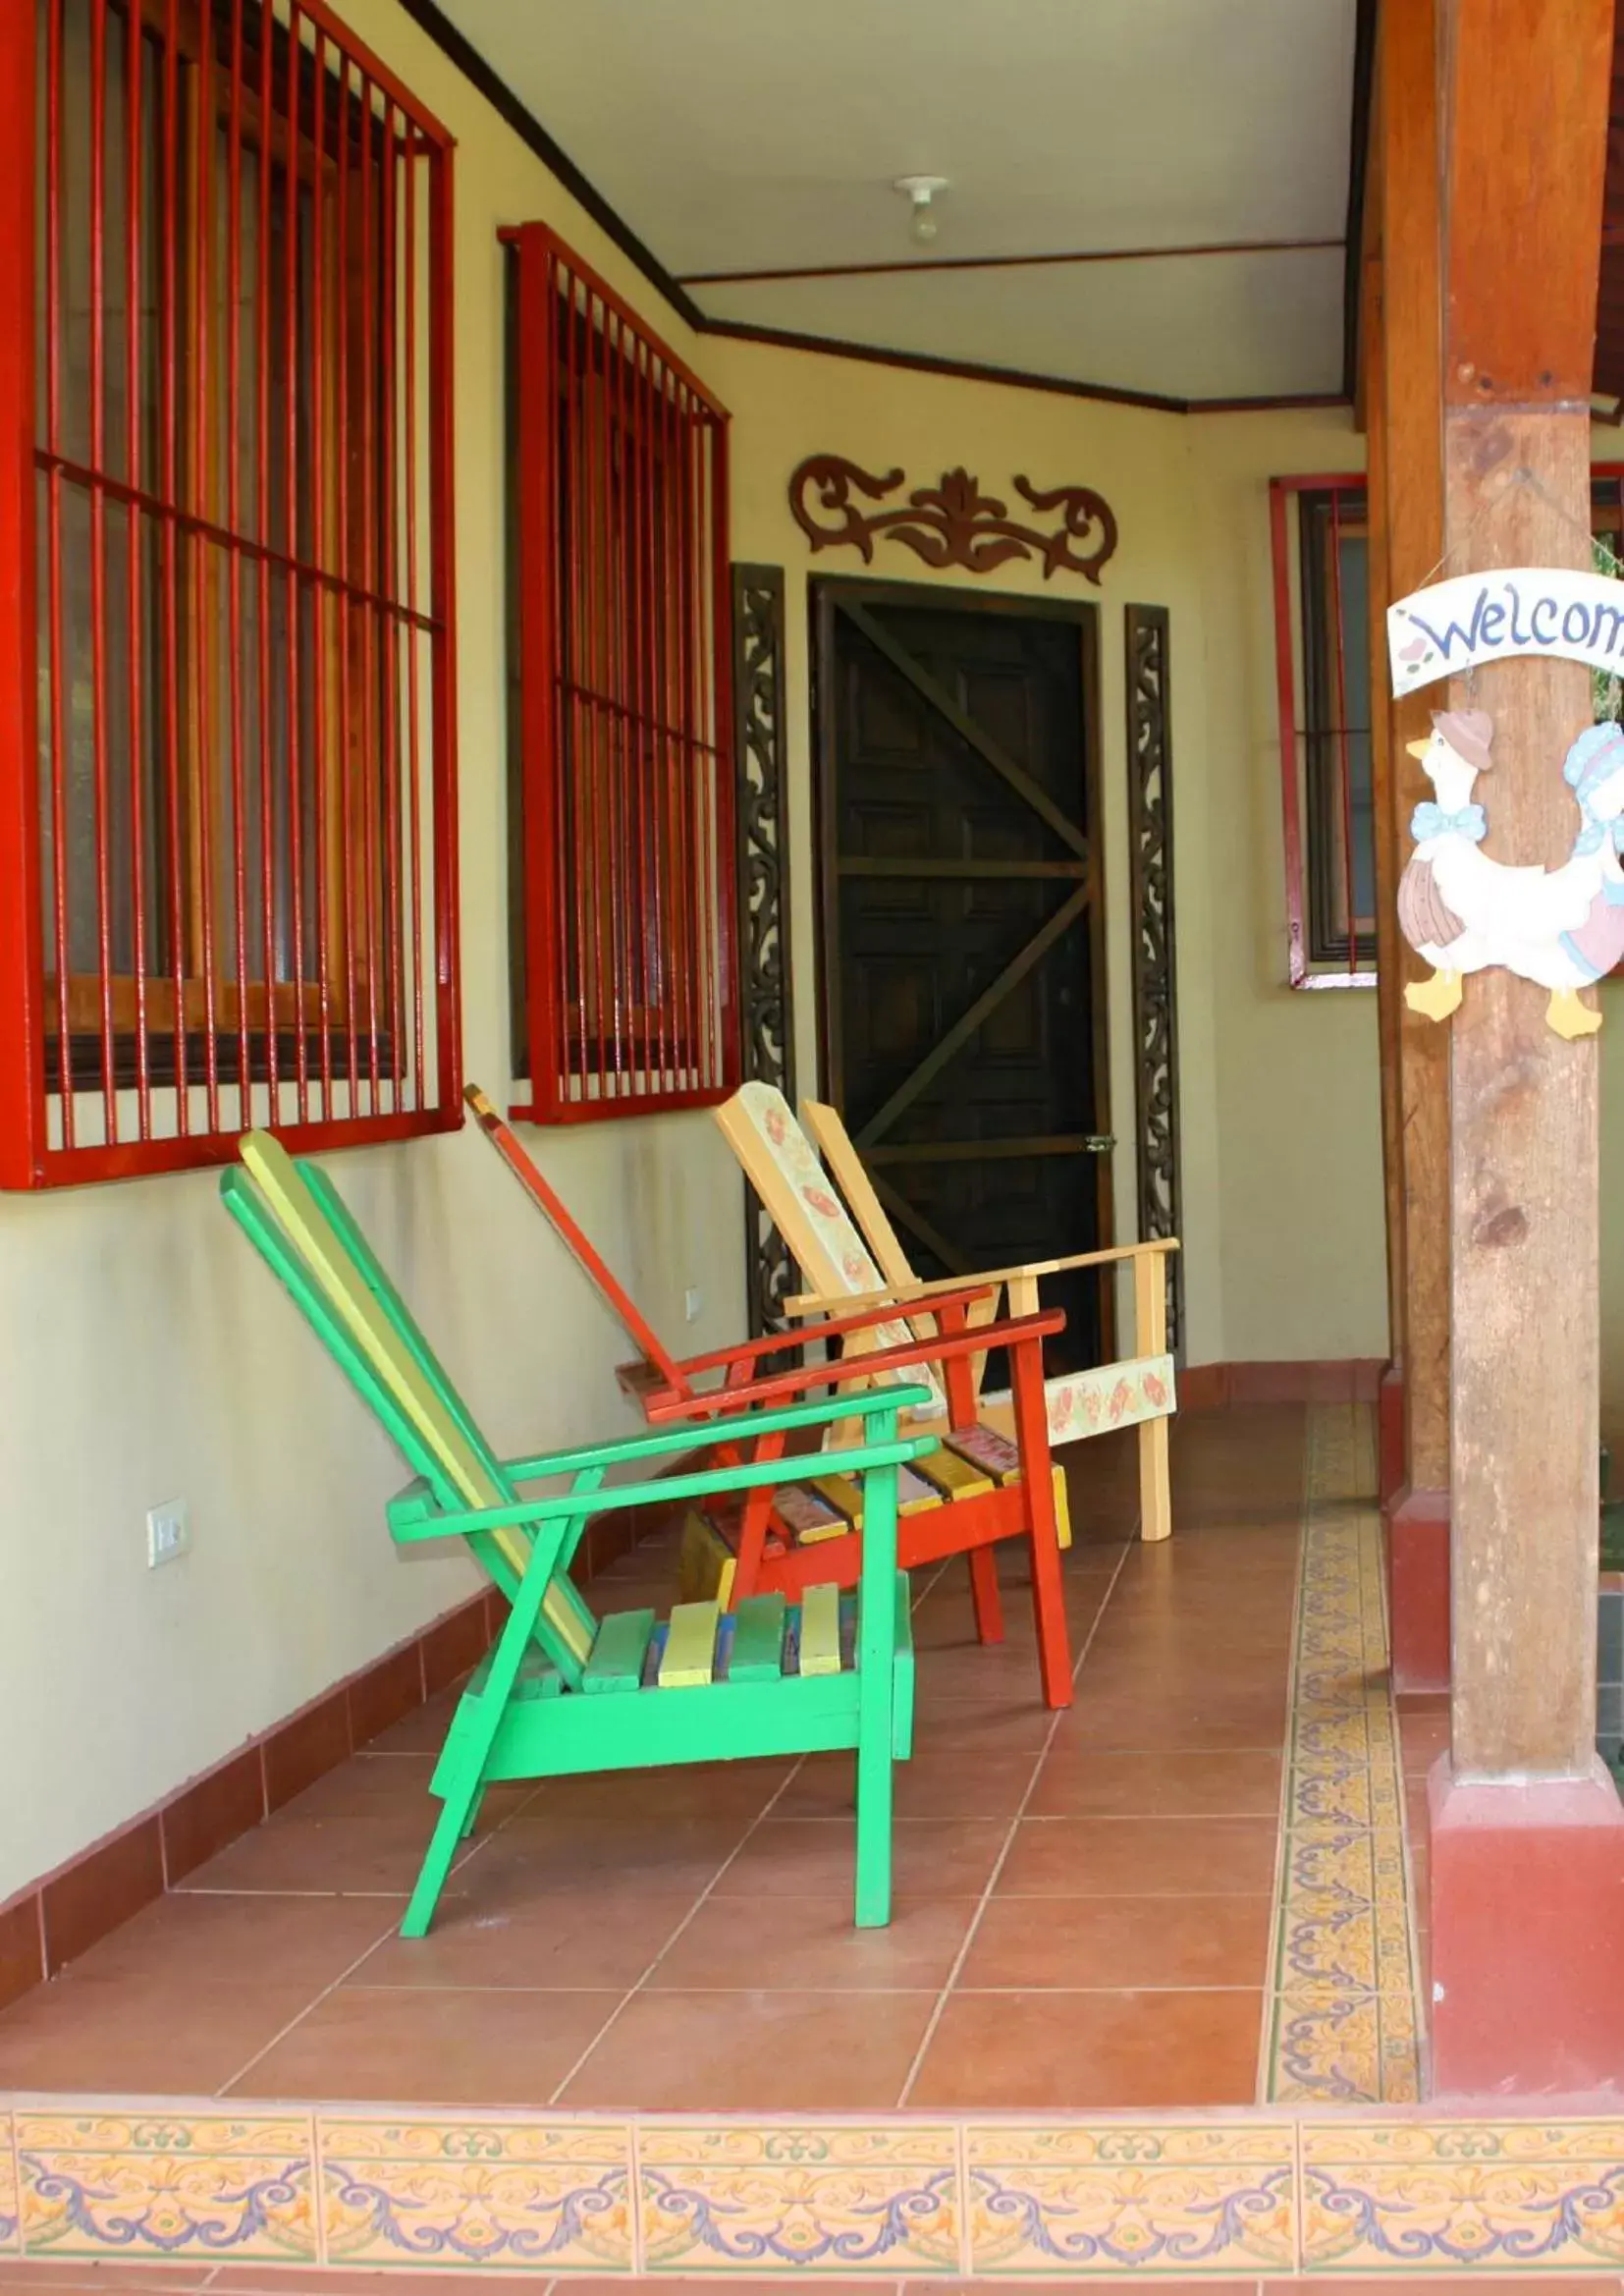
(962, 975)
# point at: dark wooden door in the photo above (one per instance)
(961, 978)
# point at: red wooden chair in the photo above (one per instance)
(974, 1490)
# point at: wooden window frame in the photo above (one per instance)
(623, 974)
(249, 1031)
(1313, 962)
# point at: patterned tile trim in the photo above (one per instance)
(1509, 2196)
(816, 2198)
(453, 2194)
(1245, 2195)
(1343, 2024)
(162, 2185)
(11, 2209)
(1193, 2201)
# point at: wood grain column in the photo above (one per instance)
(1528, 1835)
(1409, 467)
(1389, 946)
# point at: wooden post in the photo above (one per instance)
(1389, 946)
(1408, 467)
(1527, 1834)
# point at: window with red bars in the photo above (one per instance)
(620, 782)
(230, 568)
(1322, 607)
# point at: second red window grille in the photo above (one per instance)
(621, 804)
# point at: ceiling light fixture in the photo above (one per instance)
(920, 190)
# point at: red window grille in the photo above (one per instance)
(226, 762)
(621, 800)
(1321, 639)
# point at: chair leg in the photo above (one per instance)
(1048, 1585)
(984, 1590)
(877, 1689)
(1156, 1498)
(455, 1823)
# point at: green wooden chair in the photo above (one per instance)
(562, 1692)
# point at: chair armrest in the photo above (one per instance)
(906, 1295)
(1013, 1331)
(859, 1316)
(740, 1428)
(410, 1526)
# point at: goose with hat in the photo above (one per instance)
(1462, 910)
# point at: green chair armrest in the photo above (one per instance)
(712, 1433)
(411, 1523)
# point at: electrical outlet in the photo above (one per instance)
(691, 1303)
(168, 1533)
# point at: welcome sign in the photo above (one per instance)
(1475, 619)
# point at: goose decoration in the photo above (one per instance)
(1459, 909)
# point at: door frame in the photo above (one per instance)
(824, 594)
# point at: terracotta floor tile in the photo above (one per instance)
(1140, 1857)
(1092, 2050)
(1225, 1678)
(344, 1853)
(45, 2272)
(807, 1857)
(130, 2035)
(1221, 1722)
(1014, 1725)
(290, 2280)
(301, 1943)
(760, 2051)
(595, 1939)
(423, 1729)
(1100, 2287)
(368, 1784)
(739, 1789)
(1076, 1781)
(1447, 2283)
(578, 1853)
(822, 1950)
(971, 1671)
(943, 1778)
(417, 2045)
(1118, 1943)
(736, 2285)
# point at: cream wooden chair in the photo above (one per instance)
(847, 1268)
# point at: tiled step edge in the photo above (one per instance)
(1240, 2196)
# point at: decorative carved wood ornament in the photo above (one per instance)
(1154, 955)
(951, 523)
(761, 819)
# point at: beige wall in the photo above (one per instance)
(143, 1352)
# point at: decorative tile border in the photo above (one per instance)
(448, 2195)
(1343, 2023)
(11, 2207)
(1244, 2195)
(1108, 2199)
(816, 2199)
(1508, 2196)
(167, 2183)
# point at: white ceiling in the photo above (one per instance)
(749, 135)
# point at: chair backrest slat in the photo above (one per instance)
(833, 1144)
(783, 1168)
(598, 1274)
(405, 1369)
